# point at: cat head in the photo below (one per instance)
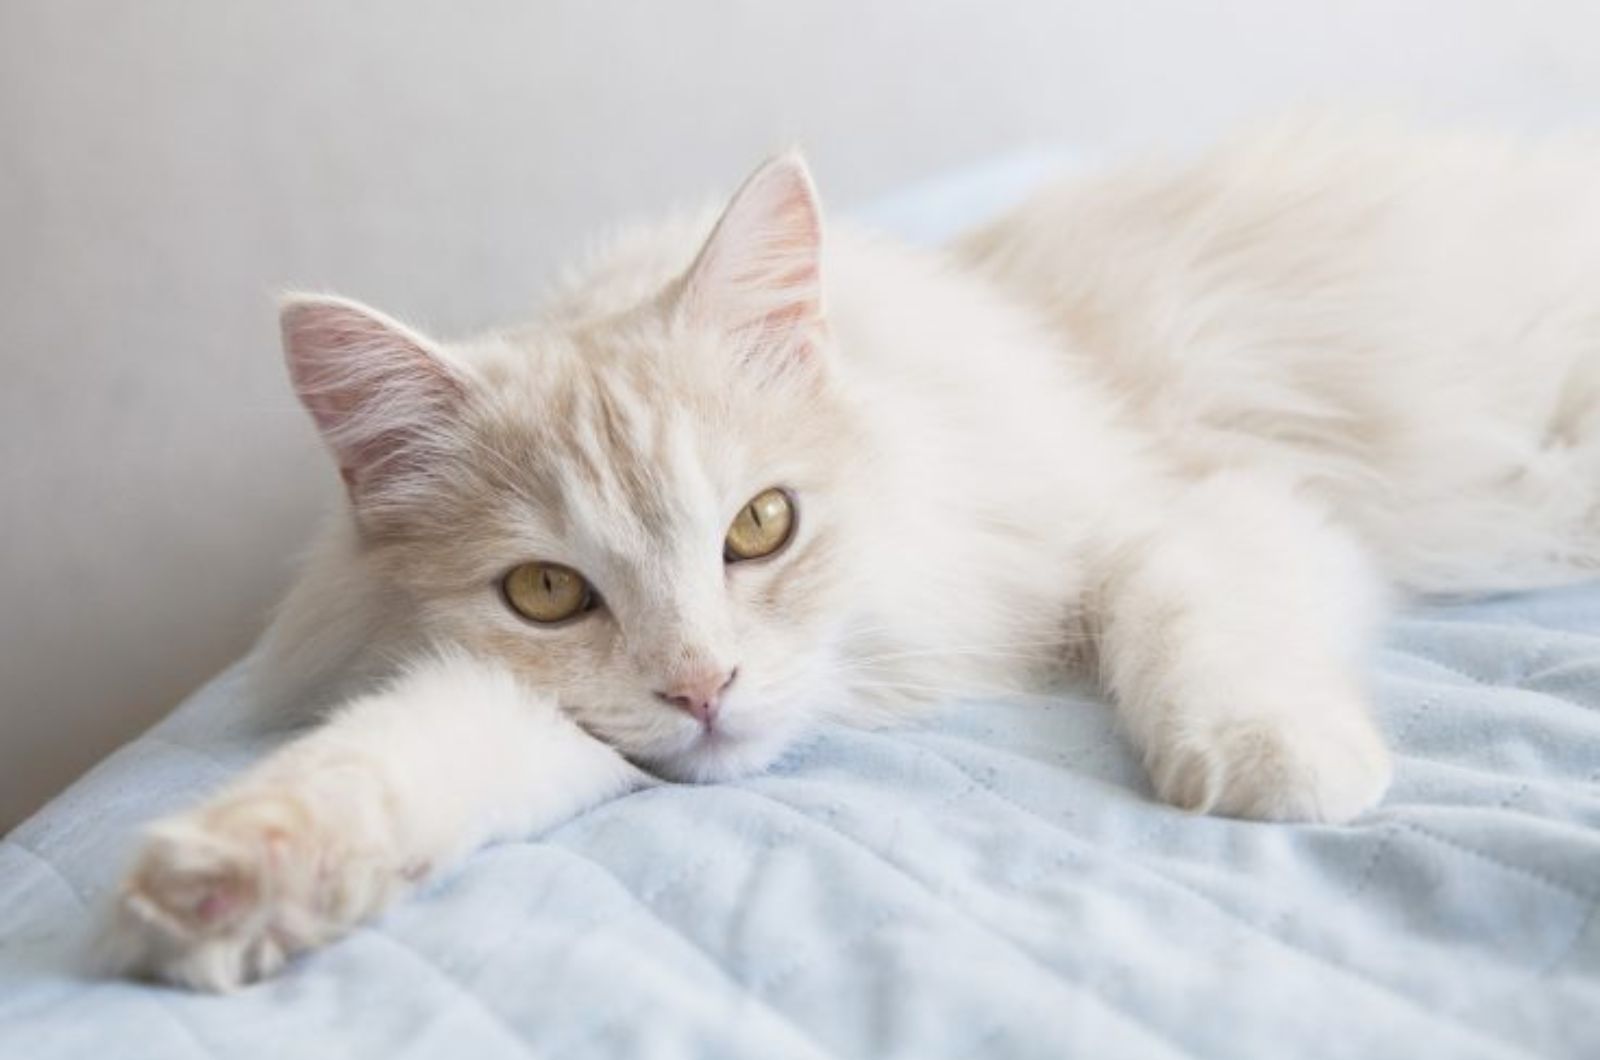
(645, 511)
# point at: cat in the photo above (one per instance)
(1185, 426)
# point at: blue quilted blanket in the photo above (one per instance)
(997, 882)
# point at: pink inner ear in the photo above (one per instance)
(759, 274)
(374, 387)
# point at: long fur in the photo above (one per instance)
(1185, 426)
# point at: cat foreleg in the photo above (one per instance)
(1232, 625)
(395, 786)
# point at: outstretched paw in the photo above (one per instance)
(1329, 767)
(222, 896)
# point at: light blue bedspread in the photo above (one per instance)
(996, 883)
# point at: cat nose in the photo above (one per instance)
(699, 693)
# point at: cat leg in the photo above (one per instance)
(1231, 630)
(394, 787)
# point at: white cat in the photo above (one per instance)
(1183, 425)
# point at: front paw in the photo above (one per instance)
(1326, 767)
(223, 895)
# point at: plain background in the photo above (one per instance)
(167, 165)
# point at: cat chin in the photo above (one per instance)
(719, 757)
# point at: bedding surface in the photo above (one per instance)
(997, 882)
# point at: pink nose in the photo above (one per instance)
(699, 693)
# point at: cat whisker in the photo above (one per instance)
(923, 691)
(1044, 651)
(1042, 647)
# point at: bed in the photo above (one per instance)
(997, 882)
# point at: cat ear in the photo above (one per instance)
(377, 390)
(759, 275)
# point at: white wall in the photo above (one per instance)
(166, 165)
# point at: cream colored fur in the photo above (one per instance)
(1184, 426)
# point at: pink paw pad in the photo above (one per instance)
(218, 904)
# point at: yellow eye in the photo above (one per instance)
(762, 527)
(546, 592)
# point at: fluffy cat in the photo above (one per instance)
(1183, 426)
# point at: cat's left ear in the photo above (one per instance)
(759, 275)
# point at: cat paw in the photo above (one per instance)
(1325, 769)
(222, 896)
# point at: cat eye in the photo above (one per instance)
(547, 592)
(762, 527)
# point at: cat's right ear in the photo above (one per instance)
(378, 391)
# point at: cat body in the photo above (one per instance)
(1182, 428)
(1406, 326)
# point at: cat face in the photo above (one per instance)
(561, 498)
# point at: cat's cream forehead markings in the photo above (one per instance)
(588, 436)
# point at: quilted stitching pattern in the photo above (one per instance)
(997, 882)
